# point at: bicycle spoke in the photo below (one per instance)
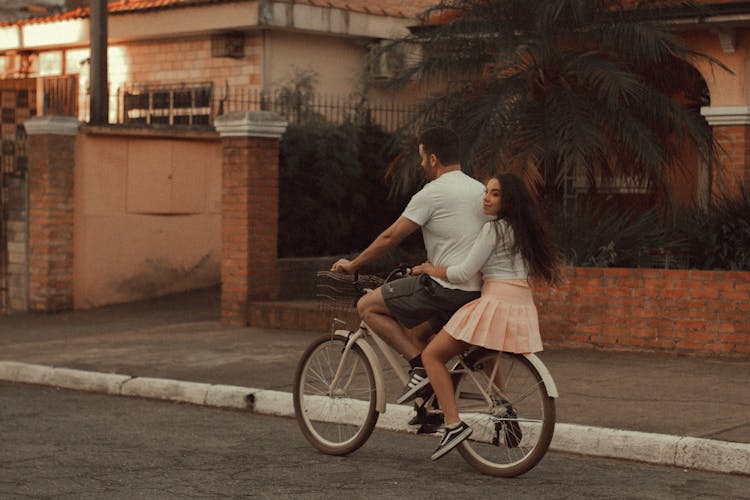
(335, 419)
(505, 402)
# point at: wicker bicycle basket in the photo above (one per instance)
(337, 295)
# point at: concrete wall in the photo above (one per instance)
(147, 215)
(726, 88)
(289, 50)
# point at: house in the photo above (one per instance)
(148, 207)
(184, 61)
(148, 204)
(207, 46)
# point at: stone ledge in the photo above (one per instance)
(52, 125)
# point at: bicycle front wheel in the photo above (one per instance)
(335, 419)
(504, 399)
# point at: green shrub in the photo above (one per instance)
(333, 198)
(602, 234)
(719, 237)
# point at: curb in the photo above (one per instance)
(679, 451)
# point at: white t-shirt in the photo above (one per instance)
(449, 209)
(495, 262)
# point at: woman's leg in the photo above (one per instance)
(437, 353)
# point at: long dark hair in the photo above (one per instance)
(531, 236)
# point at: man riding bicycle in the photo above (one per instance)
(448, 209)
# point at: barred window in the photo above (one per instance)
(168, 104)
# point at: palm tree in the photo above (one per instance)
(555, 89)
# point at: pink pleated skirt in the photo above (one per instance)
(503, 318)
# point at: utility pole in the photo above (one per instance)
(99, 97)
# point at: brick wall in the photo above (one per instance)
(249, 229)
(186, 60)
(178, 60)
(17, 236)
(704, 313)
(680, 311)
(735, 157)
(51, 160)
(297, 276)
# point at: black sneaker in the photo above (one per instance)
(452, 438)
(426, 422)
(417, 381)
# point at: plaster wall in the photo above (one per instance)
(726, 88)
(147, 217)
(286, 51)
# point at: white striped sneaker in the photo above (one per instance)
(453, 437)
(417, 381)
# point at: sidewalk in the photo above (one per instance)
(690, 412)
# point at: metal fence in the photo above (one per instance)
(198, 104)
(61, 95)
(170, 105)
(300, 108)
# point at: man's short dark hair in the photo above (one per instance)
(443, 143)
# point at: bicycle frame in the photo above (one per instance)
(360, 337)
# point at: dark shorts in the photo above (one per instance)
(416, 299)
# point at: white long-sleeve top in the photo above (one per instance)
(488, 254)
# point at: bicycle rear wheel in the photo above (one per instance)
(504, 399)
(335, 420)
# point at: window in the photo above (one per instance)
(168, 104)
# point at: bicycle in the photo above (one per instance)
(507, 398)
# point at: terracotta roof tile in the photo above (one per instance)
(393, 8)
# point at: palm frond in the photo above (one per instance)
(555, 87)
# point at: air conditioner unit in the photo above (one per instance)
(228, 45)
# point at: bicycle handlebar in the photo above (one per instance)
(398, 272)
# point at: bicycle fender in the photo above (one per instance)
(377, 369)
(549, 383)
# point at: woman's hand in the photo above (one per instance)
(424, 268)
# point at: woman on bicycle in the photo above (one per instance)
(510, 251)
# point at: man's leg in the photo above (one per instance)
(421, 334)
(375, 313)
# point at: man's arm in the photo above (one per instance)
(388, 239)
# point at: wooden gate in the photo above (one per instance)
(18, 104)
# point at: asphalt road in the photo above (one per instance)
(64, 444)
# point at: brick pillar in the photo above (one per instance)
(731, 125)
(250, 211)
(51, 148)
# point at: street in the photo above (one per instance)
(65, 444)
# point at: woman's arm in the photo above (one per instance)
(483, 246)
